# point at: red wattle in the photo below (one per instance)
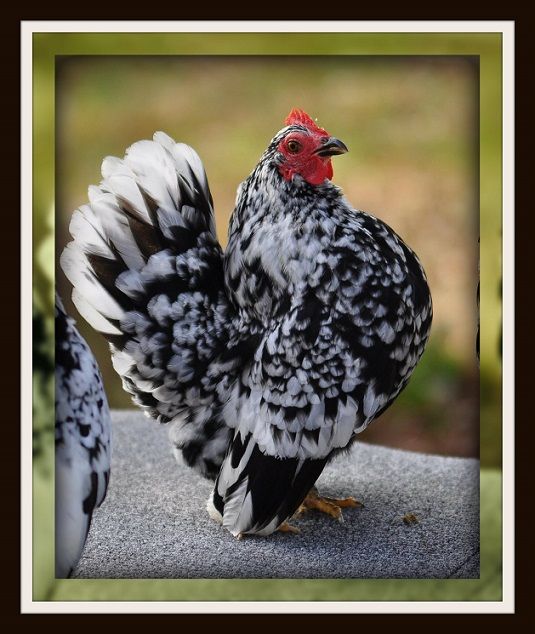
(315, 172)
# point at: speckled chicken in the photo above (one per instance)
(268, 358)
(83, 441)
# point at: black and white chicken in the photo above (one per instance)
(270, 357)
(83, 442)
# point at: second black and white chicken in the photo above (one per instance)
(82, 441)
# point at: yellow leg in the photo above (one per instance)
(288, 528)
(330, 506)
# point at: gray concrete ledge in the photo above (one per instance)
(153, 523)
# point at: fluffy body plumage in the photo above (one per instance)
(83, 441)
(268, 358)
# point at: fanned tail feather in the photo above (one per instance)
(147, 273)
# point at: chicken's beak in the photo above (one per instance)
(331, 147)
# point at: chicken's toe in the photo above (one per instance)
(328, 505)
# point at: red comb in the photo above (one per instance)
(300, 117)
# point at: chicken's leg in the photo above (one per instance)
(313, 500)
(330, 506)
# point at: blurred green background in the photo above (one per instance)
(410, 120)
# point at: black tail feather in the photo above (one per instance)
(277, 487)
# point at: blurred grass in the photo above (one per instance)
(411, 125)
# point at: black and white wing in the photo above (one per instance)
(83, 441)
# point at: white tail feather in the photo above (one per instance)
(126, 188)
(79, 272)
(115, 227)
(130, 283)
(93, 317)
(114, 166)
(237, 515)
(186, 155)
(155, 172)
(122, 362)
(164, 140)
(89, 232)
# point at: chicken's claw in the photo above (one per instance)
(330, 506)
(288, 528)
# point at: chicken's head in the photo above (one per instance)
(306, 149)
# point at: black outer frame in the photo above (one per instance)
(10, 263)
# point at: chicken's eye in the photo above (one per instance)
(293, 146)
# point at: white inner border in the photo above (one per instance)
(506, 28)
